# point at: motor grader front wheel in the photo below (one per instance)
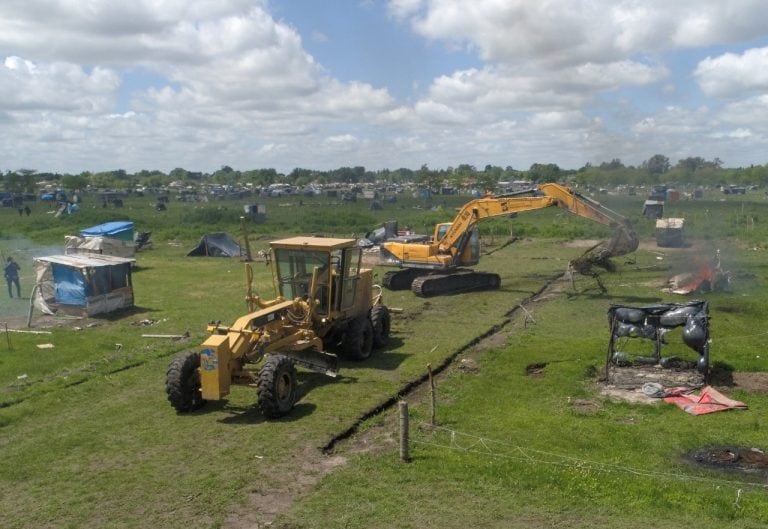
(182, 382)
(277, 386)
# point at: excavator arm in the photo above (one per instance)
(551, 195)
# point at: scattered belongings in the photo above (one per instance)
(382, 234)
(170, 336)
(216, 245)
(141, 240)
(708, 401)
(630, 363)
(45, 346)
(145, 322)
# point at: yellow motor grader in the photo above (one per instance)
(324, 298)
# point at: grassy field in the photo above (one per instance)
(89, 440)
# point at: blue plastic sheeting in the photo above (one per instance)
(69, 285)
(116, 229)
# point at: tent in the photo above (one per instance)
(82, 285)
(216, 245)
(111, 238)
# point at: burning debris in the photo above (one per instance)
(708, 276)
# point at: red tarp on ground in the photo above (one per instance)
(710, 400)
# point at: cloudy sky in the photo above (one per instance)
(157, 84)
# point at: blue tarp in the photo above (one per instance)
(69, 285)
(116, 229)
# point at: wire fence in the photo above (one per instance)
(443, 438)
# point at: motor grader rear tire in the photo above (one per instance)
(182, 382)
(357, 342)
(277, 386)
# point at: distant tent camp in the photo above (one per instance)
(216, 245)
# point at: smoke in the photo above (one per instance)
(23, 251)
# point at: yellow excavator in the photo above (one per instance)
(435, 267)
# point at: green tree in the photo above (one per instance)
(544, 172)
(74, 182)
(178, 174)
(428, 178)
(657, 164)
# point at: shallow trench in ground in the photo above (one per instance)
(306, 469)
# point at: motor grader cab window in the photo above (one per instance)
(294, 271)
(350, 274)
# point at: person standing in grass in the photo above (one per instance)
(12, 277)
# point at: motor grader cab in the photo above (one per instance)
(438, 266)
(324, 300)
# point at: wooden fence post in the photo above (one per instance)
(404, 455)
(8, 337)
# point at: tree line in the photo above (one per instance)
(694, 171)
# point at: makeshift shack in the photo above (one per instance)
(82, 285)
(111, 238)
(216, 245)
(670, 232)
(256, 212)
(653, 209)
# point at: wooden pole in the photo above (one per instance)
(32, 304)
(8, 337)
(404, 455)
(431, 395)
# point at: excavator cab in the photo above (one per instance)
(467, 248)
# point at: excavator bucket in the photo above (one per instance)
(623, 241)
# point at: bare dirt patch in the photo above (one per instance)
(291, 480)
(751, 382)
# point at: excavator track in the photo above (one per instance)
(403, 278)
(454, 283)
